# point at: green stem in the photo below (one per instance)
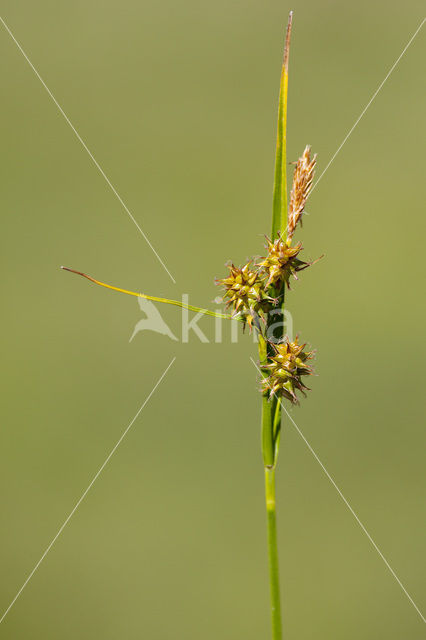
(267, 427)
(274, 577)
(271, 408)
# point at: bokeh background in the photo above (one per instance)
(177, 101)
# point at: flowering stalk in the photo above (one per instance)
(255, 295)
(271, 408)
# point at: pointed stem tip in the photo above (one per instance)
(80, 273)
(287, 40)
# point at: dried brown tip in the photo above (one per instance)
(287, 41)
(302, 185)
(80, 273)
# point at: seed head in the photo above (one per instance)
(286, 368)
(281, 262)
(302, 185)
(245, 292)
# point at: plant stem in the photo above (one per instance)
(274, 577)
(271, 407)
(267, 439)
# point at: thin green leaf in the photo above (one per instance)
(279, 210)
(175, 303)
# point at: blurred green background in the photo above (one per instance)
(177, 101)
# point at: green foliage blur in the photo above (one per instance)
(177, 101)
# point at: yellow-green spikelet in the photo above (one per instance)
(286, 367)
(245, 291)
(281, 262)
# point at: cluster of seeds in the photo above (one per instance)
(245, 293)
(286, 367)
(281, 262)
(256, 289)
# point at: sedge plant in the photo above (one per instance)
(255, 294)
